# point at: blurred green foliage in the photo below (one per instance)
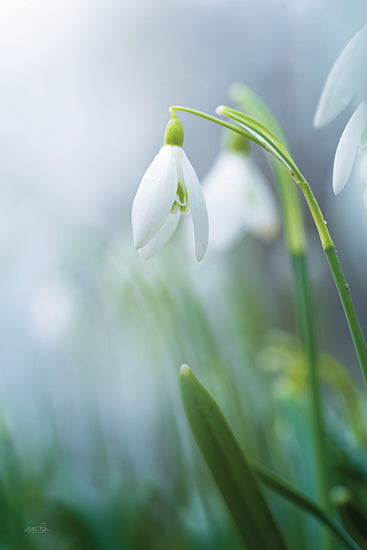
(123, 472)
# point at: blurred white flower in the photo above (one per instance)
(169, 189)
(239, 201)
(347, 79)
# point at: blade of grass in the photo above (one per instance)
(229, 466)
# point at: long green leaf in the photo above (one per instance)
(229, 466)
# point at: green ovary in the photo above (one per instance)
(181, 202)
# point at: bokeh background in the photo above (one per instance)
(95, 442)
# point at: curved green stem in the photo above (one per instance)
(338, 275)
(257, 133)
(216, 120)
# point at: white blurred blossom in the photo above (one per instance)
(239, 201)
(347, 80)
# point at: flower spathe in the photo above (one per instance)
(169, 189)
(239, 201)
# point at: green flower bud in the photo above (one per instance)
(174, 133)
(236, 142)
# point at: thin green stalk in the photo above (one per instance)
(284, 489)
(257, 133)
(348, 306)
(308, 338)
(337, 272)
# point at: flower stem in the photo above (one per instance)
(326, 241)
(338, 275)
(317, 417)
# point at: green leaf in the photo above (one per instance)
(229, 466)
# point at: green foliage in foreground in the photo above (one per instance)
(229, 466)
(235, 477)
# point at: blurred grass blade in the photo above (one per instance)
(248, 102)
(228, 465)
(284, 489)
(353, 514)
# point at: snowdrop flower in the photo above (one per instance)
(345, 81)
(239, 200)
(169, 189)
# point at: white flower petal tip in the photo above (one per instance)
(162, 237)
(348, 147)
(169, 189)
(343, 81)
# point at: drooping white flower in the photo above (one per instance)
(347, 79)
(239, 201)
(169, 189)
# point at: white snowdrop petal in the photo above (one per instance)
(365, 198)
(224, 196)
(162, 236)
(197, 207)
(262, 215)
(343, 79)
(155, 196)
(348, 146)
(239, 200)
